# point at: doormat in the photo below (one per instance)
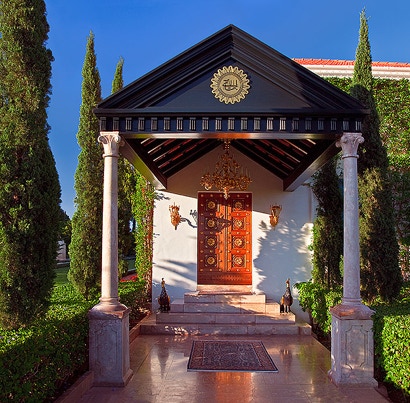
(230, 356)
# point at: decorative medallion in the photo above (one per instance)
(237, 223)
(211, 223)
(238, 205)
(238, 260)
(211, 205)
(238, 242)
(211, 241)
(230, 84)
(210, 260)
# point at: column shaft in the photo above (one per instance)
(351, 253)
(352, 335)
(109, 319)
(109, 276)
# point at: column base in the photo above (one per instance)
(109, 346)
(352, 345)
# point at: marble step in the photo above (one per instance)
(224, 318)
(224, 298)
(179, 305)
(150, 326)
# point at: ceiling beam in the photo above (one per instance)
(316, 159)
(144, 167)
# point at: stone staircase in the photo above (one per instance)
(202, 313)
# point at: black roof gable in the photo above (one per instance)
(290, 112)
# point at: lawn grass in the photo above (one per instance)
(61, 275)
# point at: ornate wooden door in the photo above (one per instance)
(224, 239)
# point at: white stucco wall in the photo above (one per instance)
(278, 254)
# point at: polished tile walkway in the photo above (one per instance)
(160, 375)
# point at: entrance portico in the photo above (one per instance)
(283, 126)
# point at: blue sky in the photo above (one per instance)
(147, 33)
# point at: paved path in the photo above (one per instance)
(160, 375)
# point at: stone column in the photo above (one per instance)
(352, 326)
(109, 319)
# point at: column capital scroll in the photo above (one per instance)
(349, 142)
(111, 142)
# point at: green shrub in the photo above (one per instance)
(391, 338)
(316, 299)
(133, 295)
(35, 362)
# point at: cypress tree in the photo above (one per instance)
(86, 241)
(380, 272)
(126, 185)
(118, 81)
(328, 227)
(29, 185)
(136, 205)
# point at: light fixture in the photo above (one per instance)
(175, 216)
(274, 214)
(227, 175)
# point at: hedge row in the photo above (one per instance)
(37, 362)
(391, 340)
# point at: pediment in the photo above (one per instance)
(289, 111)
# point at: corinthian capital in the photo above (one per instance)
(349, 143)
(111, 143)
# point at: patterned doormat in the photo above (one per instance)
(230, 356)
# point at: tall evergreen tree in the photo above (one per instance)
(126, 185)
(380, 272)
(86, 241)
(118, 81)
(29, 185)
(136, 205)
(328, 227)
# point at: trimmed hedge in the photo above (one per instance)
(38, 362)
(391, 328)
(316, 299)
(391, 340)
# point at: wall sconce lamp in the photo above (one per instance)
(274, 214)
(175, 216)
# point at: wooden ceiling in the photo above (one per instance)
(288, 122)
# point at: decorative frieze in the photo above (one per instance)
(180, 124)
(167, 124)
(141, 124)
(308, 124)
(244, 124)
(269, 124)
(205, 124)
(230, 123)
(282, 124)
(256, 124)
(192, 124)
(295, 124)
(128, 124)
(154, 124)
(103, 124)
(345, 125)
(116, 124)
(218, 124)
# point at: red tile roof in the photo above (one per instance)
(344, 68)
(321, 62)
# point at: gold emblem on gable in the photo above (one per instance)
(230, 84)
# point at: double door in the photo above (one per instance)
(224, 238)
